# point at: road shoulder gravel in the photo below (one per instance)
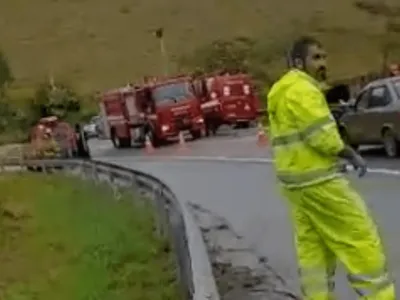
(240, 273)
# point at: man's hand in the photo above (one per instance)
(355, 159)
(359, 164)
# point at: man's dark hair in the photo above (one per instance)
(300, 47)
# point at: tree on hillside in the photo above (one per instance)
(391, 17)
(238, 54)
(54, 99)
(231, 54)
(6, 76)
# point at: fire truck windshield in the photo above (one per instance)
(172, 92)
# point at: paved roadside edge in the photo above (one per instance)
(203, 277)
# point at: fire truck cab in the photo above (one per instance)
(159, 109)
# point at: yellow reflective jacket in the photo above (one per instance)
(303, 133)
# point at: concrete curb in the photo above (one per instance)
(203, 277)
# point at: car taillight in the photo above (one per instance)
(226, 91)
(213, 95)
(246, 89)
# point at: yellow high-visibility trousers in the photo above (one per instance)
(332, 221)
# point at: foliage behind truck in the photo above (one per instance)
(160, 110)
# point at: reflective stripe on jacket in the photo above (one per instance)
(303, 133)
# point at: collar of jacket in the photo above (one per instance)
(305, 76)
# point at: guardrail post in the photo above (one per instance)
(159, 203)
(134, 183)
(44, 169)
(21, 160)
(165, 212)
(114, 187)
(154, 202)
(95, 175)
(111, 177)
(84, 170)
(116, 192)
(134, 187)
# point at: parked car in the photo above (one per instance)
(374, 119)
(100, 128)
(90, 129)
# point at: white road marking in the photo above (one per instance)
(382, 171)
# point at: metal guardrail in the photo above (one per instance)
(173, 217)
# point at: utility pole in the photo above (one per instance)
(52, 81)
(159, 33)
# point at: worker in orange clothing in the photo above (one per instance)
(330, 218)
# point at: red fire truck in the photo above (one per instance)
(159, 109)
(227, 99)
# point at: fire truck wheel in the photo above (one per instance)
(242, 125)
(115, 141)
(196, 134)
(211, 128)
(390, 143)
(121, 142)
(155, 140)
(125, 142)
(207, 133)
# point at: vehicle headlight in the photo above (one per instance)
(164, 128)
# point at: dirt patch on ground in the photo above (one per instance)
(240, 273)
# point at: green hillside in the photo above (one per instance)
(96, 44)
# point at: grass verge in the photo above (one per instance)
(63, 238)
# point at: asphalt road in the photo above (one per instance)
(231, 144)
(247, 196)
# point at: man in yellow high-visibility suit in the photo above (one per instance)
(330, 218)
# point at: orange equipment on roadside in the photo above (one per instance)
(52, 138)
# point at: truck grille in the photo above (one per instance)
(183, 121)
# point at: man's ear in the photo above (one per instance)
(298, 63)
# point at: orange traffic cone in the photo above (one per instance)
(148, 146)
(262, 139)
(182, 142)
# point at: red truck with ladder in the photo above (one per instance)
(158, 109)
(227, 99)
